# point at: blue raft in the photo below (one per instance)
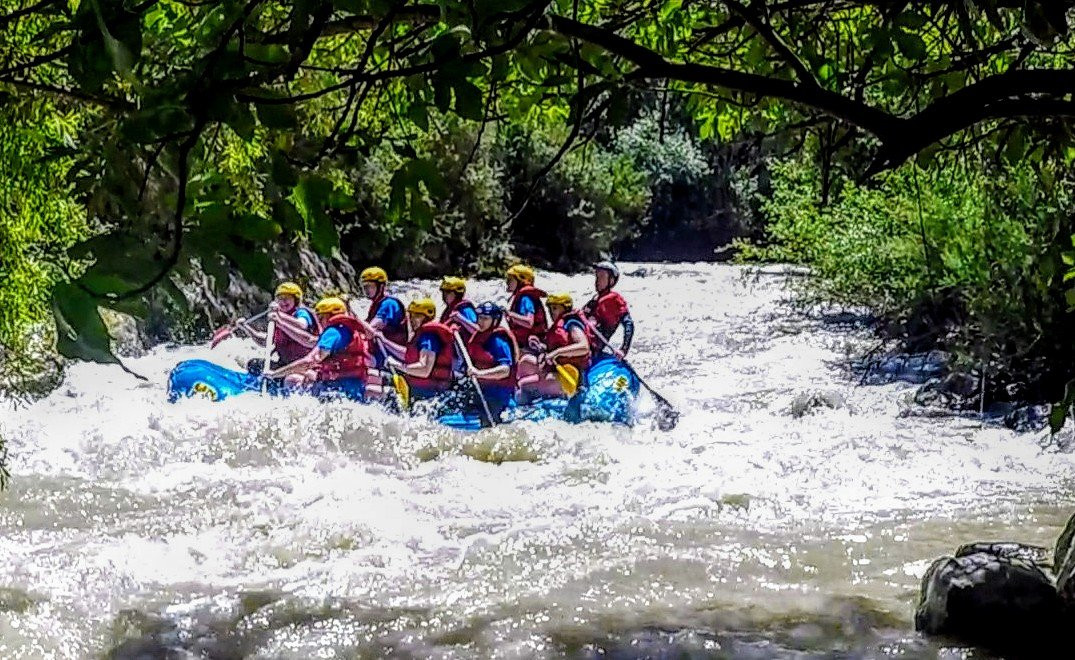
(608, 393)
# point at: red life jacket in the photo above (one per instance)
(289, 350)
(397, 334)
(598, 308)
(351, 361)
(541, 323)
(483, 359)
(557, 337)
(445, 316)
(440, 378)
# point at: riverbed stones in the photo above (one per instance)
(996, 595)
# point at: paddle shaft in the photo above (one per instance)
(269, 332)
(230, 328)
(473, 379)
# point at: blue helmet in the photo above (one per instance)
(490, 309)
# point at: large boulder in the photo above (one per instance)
(1064, 564)
(996, 595)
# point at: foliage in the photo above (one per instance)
(213, 128)
(963, 256)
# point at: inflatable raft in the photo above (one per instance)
(608, 393)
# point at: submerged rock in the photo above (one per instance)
(804, 402)
(1027, 418)
(996, 595)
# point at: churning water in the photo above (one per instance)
(285, 528)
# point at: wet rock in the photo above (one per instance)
(993, 595)
(1027, 418)
(805, 402)
(904, 367)
(1064, 563)
(955, 390)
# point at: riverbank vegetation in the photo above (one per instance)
(914, 155)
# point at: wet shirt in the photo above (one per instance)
(500, 349)
(334, 339)
(469, 313)
(390, 312)
(429, 341)
(524, 306)
(306, 317)
(574, 324)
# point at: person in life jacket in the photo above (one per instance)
(385, 315)
(495, 356)
(567, 342)
(426, 360)
(458, 312)
(296, 325)
(526, 312)
(608, 310)
(337, 364)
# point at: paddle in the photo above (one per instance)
(269, 332)
(568, 377)
(667, 415)
(473, 379)
(225, 331)
(403, 389)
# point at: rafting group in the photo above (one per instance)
(473, 364)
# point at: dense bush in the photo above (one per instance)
(962, 256)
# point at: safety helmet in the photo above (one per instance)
(289, 289)
(422, 306)
(609, 267)
(454, 284)
(521, 272)
(490, 309)
(330, 306)
(374, 274)
(562, 299)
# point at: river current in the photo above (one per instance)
(286, 528)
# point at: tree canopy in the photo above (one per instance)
(210, 127)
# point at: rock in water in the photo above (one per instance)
(1064, 564)
(992, 595)
(805, 402)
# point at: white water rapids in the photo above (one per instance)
(286, 528)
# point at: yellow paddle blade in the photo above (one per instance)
(568, 376)
(403, 390)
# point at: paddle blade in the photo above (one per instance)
(568, 376)
(403, 390)
(220, 335)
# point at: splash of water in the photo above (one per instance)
(760, 525)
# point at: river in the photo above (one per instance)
(285, 528)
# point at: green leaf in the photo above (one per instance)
(426, 171)
(910, 45)
(277, 115)
(468, 101)
(419, 114)
(911, 19)
(312, 195)
(255, 265)
(1057, 415)
(80, 331)
(256, 228)
(283, 174)
(442, 93)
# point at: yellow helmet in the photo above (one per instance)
(374, 274)
(521, 272)
(330, 306)
(454, 284)
(289, 289)
(423, 306)
(562, 299)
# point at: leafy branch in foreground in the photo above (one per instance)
(213, 129)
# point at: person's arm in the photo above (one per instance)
(309, 361)
(502, 354)
(296, 328)
(420, 369)
(628, 333)
(578, 347)
(525, 316)
(465, 320)
(394, 350)
(257, 335)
